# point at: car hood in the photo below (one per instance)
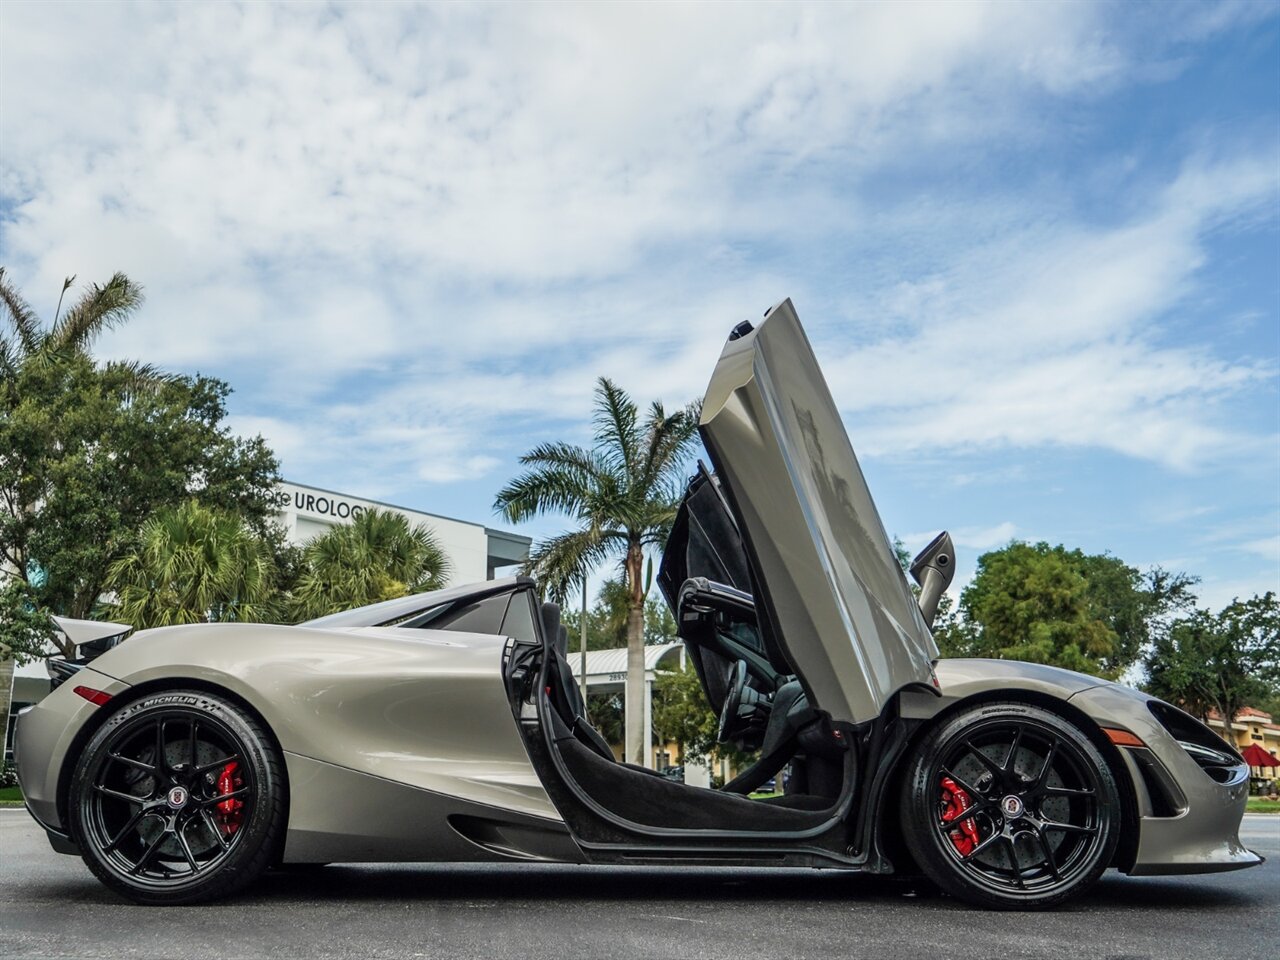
(831, 597)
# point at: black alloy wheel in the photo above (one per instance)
(178, 798)
(1010, 806)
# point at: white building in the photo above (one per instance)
(475, 551)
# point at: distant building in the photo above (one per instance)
(1251, 726)
(475, 552)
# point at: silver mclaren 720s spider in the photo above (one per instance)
(447, 726)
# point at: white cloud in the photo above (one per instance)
(974, 539)
(1051, 336)
(416, 229)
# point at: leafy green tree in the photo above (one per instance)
(1219, 662)
(195, 564)
(681, 713)
(1043, 604)
(623, 493)
(379, 556)
(89, 451)
(605, 711)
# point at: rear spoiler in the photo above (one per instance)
(92, 638)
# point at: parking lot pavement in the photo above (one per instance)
(50, 906)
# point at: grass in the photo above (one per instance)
(10, 796)
(1259, 805)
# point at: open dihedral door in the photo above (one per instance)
(798, 529)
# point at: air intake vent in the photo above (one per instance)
(1217, 758)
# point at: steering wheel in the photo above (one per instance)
(739, 704)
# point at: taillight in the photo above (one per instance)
(96, 697)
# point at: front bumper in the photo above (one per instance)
(1191, 827)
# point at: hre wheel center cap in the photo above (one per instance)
(1012, 806)
(177, 797)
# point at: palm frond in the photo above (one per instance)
(101, 308)
(616, 423)
(561, 563)
(549, 489)
(21, 317)
(669, 440)
(565, 455)
(137, 378)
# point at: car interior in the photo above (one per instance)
(762, 705)
(643, 796)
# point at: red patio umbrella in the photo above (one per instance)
(1255, 756)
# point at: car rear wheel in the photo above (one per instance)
(178, 798)
(1010, 806)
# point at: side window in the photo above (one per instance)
(478, 616)
(519, 620)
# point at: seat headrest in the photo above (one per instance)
(551, 621)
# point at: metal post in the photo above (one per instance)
(582, 673)
(649, 756)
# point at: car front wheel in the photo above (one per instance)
(1010, 806)
(178, 798)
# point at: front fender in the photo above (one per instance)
(960, 679)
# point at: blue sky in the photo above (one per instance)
(1037, 246)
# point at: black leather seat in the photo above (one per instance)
(566, 697)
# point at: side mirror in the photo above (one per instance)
(933, 569)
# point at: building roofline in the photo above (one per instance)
(399, 506)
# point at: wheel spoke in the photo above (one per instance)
(1048, 854)
(133, 822)
(948, 825)
(206, 767)
(1066, 827)
(150, 852)
(1066, 792)
(136, 764)
(212, 827)
(209, 801)
(162, 762)
(1013, 861)
(1012, 758)
(980, 807)
(996, 770)
(966, 787)
(186, 847)
(120, 795)
(1045, 768)
(980, 847)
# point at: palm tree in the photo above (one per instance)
(99, 309)
(377, 557)
(194, 564)
(624, 493)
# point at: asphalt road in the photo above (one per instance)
(50, 906)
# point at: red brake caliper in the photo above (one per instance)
(955, 802)
(230, 812)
